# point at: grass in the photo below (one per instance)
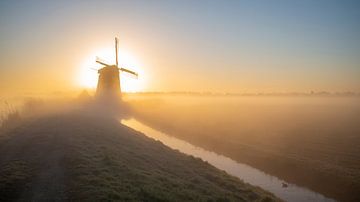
(13, 178)
(9, 114)
(81, 157)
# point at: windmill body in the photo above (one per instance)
(109, 82)
(108, 87)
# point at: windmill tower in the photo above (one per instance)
(108, 87)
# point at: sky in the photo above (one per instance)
(204, 45)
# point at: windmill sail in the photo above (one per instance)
(116, 51)
(129, 71)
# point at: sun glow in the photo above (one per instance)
(88, 75)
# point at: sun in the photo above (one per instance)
(88, 75)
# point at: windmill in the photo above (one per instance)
(108, 86)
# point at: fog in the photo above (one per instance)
(311, 141)
(16, 109)
(308, 140)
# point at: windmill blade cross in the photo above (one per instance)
(100, 61)
(129, 71)
(116, 50)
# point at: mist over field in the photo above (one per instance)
(76, 149)
(308, 140)
(138, 100)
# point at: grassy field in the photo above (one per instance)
(86, 157)
(310, 141)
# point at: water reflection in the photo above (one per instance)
(242, 171)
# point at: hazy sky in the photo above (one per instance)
(194, 45)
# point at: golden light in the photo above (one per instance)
(88, 75)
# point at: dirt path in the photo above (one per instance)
(42, 152)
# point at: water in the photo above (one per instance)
(246, 173)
